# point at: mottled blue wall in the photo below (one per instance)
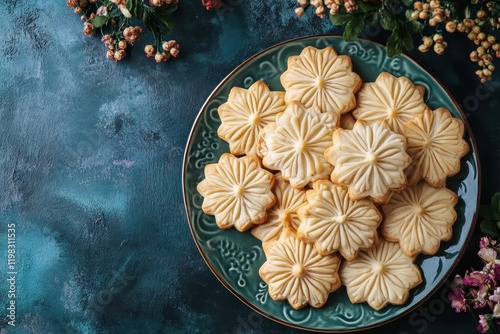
(91, 159)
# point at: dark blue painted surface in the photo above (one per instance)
(91, 161)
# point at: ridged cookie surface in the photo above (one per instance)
(320, 77)
(419, 218)
(380, 276)
(296, 143)
(435, 144)
(294, 271)
(333, 222)
(283, 214)
(390, 99)
(246, 113)
(237, 191)
(370, 160)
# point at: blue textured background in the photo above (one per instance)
(91, 159)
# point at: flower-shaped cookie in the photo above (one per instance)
(296, 143)
(296, 272)
(283, 214)
(380, 276)
(369, 159)
(419, 217)
(333, 222)
(395, 100)
(245, 113)
(435, 144)
(237, 191)
(321, 78)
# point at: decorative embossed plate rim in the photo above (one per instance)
(235, 257)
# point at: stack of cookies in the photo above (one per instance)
(342, 181)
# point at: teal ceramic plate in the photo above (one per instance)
(235, 257)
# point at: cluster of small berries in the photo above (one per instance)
(117, 46)
(158, 3)
(79, 5)
(324, 7)
(479, 30)
(481, 24)
(432, 11)
(168, 49)
(211, 4)
(118, 35)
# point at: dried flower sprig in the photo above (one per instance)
(112, 19)
(211, 4)
(479, 290)
(478, 19)
(357, 14)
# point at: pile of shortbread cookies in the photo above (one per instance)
(342, 181)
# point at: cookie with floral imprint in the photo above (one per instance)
(380, 276)
(335, 223)
(323, 78)
(246, 113)
(294, 271)
(369, 160)
(419, 218)
(283, 214)
(296, 142)
(392, 99)
(237, 191)
(436, 145)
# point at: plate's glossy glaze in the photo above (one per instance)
(235, 257)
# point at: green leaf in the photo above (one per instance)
(467, 12)
(415, 26)
(130, 5)
(389, 21)
(485, 212)
(408, 15)
(394, 48)
(458, 8)
(367, 7)
(490, 228)
(407, 2)
(137, 8)
(405, 39)
(371, 19)
(353, 28)
(400, 40)
(166, 9)
(147, 22)
(495, 206)
(340, 19)
(165, 20)
(99, 21)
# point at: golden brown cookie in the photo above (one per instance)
(320, 77)
(391, 99)
(435, 144)
(237, 191)
(296, 272)
(245, 113)
(380, 276)
(419, 218)
(296, 143)
(333, 222)
(369, 159)
(283, 214)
